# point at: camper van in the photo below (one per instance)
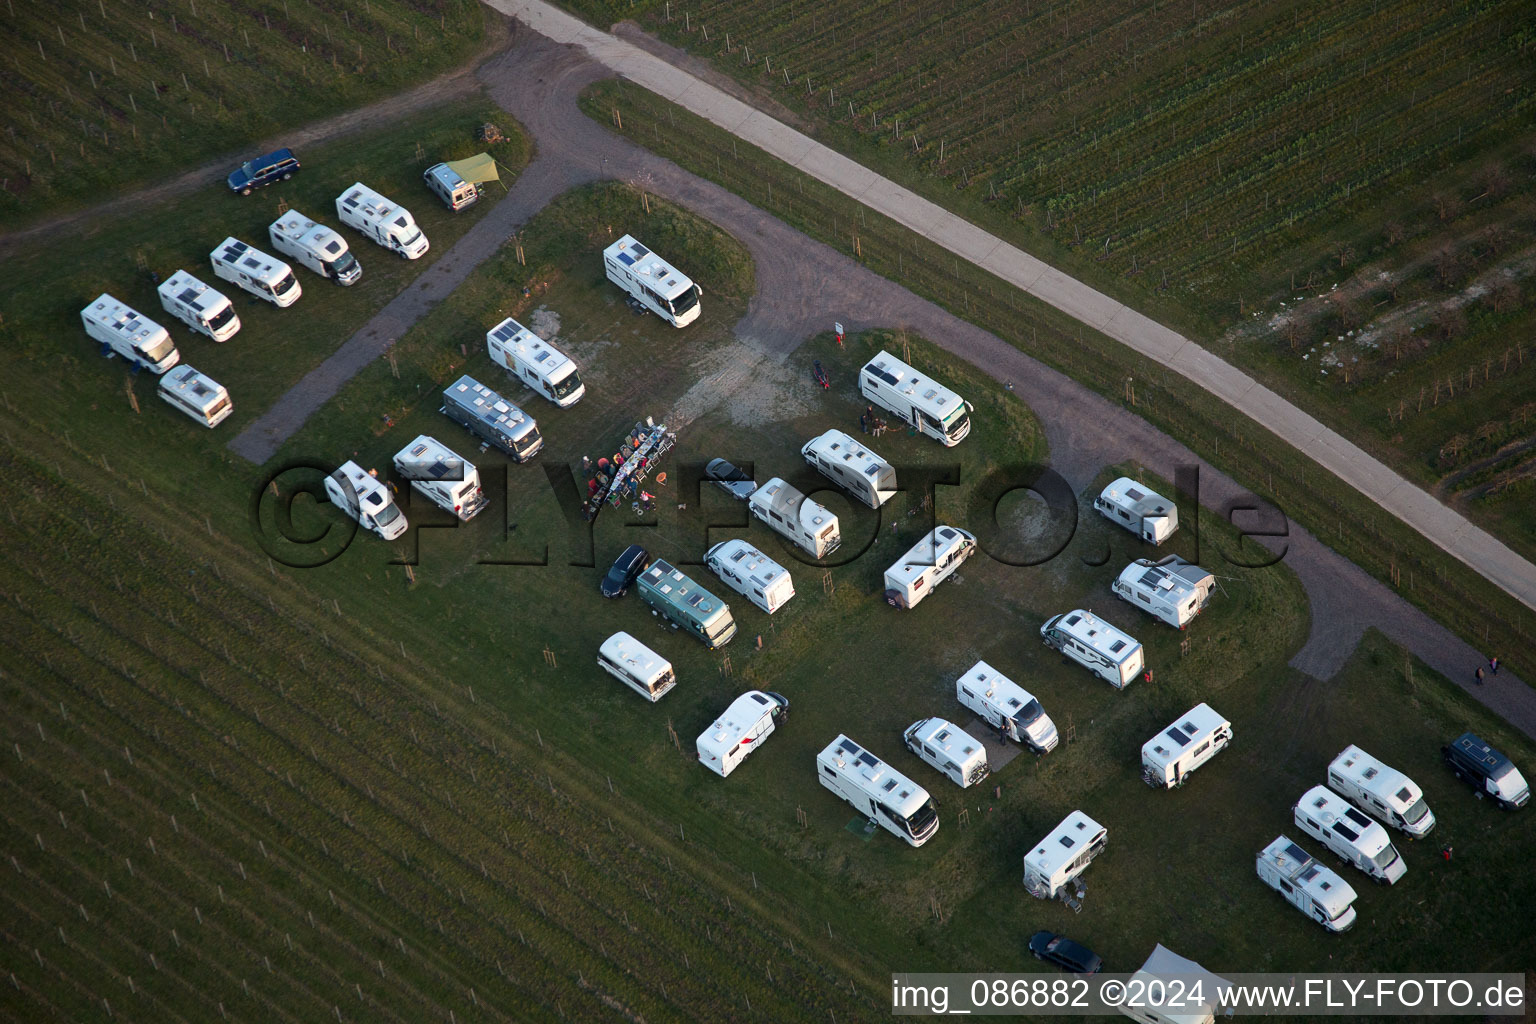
(535, 362)
(1171, 589)
(949, 750)
(636, 666)
(381, 220)
(803, 522)
(122, 331)
(686, 605)
(1332, 821)
(1166, 971)
(266, 277)
(895, 802)
(852, 467)
(1383, 792)
(1063, 855)
(364, 497)
(651, 282)
(315, 246)
(930, 562)
(749, 720)
(454, 191)
(1313, 889)
(196, 394)
(1487, 770)
(1145, 513)
(199, 306)
(916, 399)
(1007, 707)
(492, 418)
(1199, 735)
(447, 480)
(1096, 645)
(751, 574)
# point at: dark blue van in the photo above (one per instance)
(254, 174)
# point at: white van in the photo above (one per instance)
(246, 267)
(852, 466)
(749, 720)
(198, 306)
(1313, 889)
(1139, 509)
(930, 562)
(196, 394)
(751, 574)
(1063, 855)
(1006, 706)
(807, 524)
(949, 749)
(361, 495)
(1381, 791)
(448, 480)
(540, 366)
(1199, 735)
(1107, 652)
(636, 666)
(1329, 818)
(122, 331)
(916, 399)
(382, 220)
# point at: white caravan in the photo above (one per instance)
(1313, 889)
(1144, 512)
(196, 394)
(1381, 791)
(1102, 649)
(1006, 706)
(315, 246)
(931, 561)
(265, 277)
(124, 332)
(740, 730)
(751, 574)
(652, 282)
(492, 418)
(381, 220)
(449, 481)
(1175, 974)
(198, 306)
(1063, 855)
(636, 666)
(949, 749)
(852, 466)
(1334, 822)
(916, 399)
(805, 523)
(1199, 735)
(364, 497)
(898, 804)
(1170, 589)
(535, 362)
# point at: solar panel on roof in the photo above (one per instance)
(187, 295)
(1150, 578)
(1292, 850)
(641, 250)
(1358, 818)
(1177, 737)
(626, 259)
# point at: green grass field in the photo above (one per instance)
(106, 95)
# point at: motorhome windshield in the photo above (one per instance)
(684, 302)
(415, 237)
(1385, 857)
(527, 441)
(719, 624)
(918, 822)
(281, 288)
(1030, 713)
(1416, 813)
(217, 407)
(343, 263)
(957, 421)
(223, 317)
(388, 514)
(1346, 908)
(570, 383)
(159, 350)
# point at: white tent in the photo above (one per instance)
(1166, 965)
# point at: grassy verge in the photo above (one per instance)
(1336, 513)
(112, 95)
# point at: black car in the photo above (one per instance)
(264, 170)
(626, 569)
(1065, 953)
(732, 480)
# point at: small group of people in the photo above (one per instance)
(869, 423)
(1493, 669)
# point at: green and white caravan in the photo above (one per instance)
(686, 605)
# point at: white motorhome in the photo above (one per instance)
(805, 523)
(198, 306)
(492, 418)
(381, 220)
(1381, 791)
(949, 749)
(636, 666)
(1006, 706)
(126, 333)
(916, 399)
(315, 246)
(1313, 889)
(1168, 972)
(751, 574)
(1145, 513)
(852, 466)
(1199, 735)
(196, 394)
(1063, 855)
(449, 481)
(740, 730)
(1334, 822)
(931, 561)
(265, 277)
(1170, 589)
(454, 191)
(895, 802)
(364, 497)
(1102, 649)
(535, 362)
(652, 282)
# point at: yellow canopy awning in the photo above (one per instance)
(476, 169)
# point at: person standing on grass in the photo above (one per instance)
(863, 422)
